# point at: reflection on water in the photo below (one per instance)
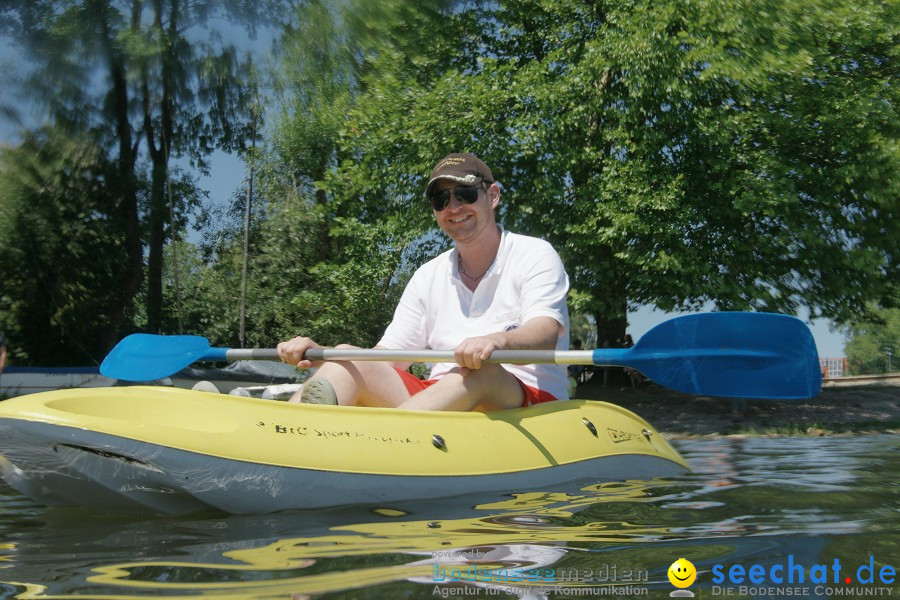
(748, 500)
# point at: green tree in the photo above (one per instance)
(195, 97)
(872, 344)
(328, 257)
(148, 83)
(60, 247)
(676, 154)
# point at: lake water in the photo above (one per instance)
(802, 511)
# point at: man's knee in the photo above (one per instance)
(494, 386)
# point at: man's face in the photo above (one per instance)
(465, 222)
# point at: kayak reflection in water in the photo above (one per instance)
(495, 290)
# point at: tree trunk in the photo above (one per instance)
(610, 331)
(326, 252)
(122, 298)
(610, 334)
(156, 239)
(159, 138)
(608, 287)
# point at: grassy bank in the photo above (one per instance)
(859, 409)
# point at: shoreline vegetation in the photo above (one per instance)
(838, 409)
(842, 407)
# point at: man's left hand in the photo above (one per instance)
(539, 333)
(472, 352)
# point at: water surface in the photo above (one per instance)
(749, 501)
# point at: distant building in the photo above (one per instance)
(833, 367)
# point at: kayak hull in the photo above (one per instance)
(178, 451)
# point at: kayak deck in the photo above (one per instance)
(171, 450)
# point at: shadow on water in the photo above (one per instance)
(748, 501)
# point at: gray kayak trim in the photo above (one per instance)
(62, 466)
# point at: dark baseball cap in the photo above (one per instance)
(461, 167)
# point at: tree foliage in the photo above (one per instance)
(136, 76)
(737, 153)
(676, 154)
(329, 258)
(874, 343)
(60, 244)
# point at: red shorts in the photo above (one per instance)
(414, 385)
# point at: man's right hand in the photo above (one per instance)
(292, 352)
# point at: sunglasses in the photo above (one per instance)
(466, 195)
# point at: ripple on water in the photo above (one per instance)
(747, 500)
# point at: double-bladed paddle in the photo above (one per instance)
(729, 354)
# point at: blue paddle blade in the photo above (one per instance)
(729, 354)
(145, 357)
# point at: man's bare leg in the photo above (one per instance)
(486, 389)
(378, 384)
(362, 383)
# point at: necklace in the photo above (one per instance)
(463, 271)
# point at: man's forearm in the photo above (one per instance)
(540, 333)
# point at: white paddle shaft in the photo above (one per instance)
(509, 357)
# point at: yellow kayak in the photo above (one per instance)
(175, 451)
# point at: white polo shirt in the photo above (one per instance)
(527, 280)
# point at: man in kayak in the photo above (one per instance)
(494, 290)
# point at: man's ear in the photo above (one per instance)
(493, 193)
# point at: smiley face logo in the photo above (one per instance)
(682, 573)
